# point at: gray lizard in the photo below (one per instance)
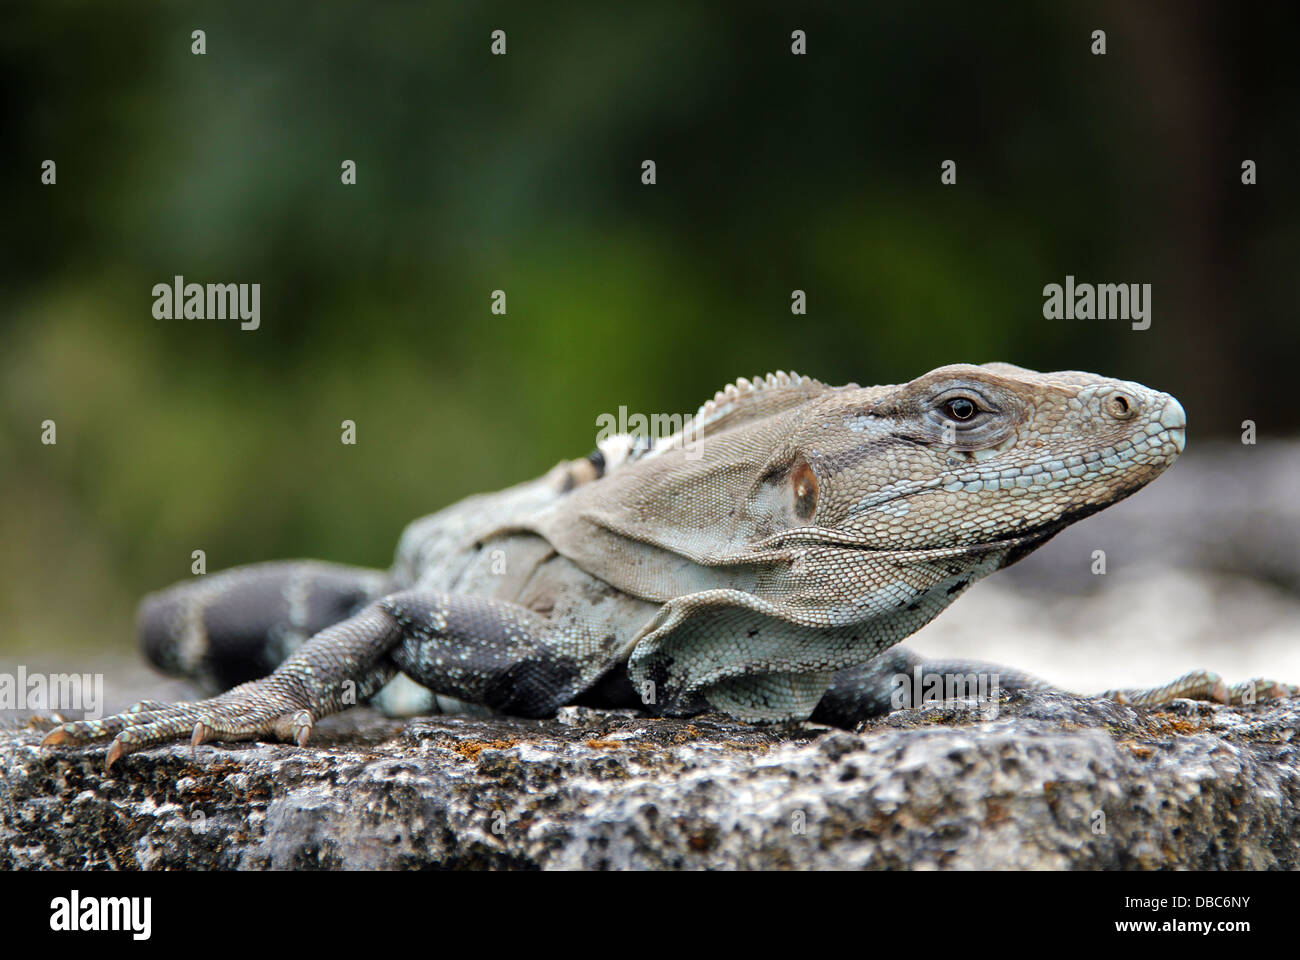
(761, 563)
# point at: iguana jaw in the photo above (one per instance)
(1032, 536)
(1020, 544)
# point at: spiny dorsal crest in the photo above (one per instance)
(755, 398)
(733, 404)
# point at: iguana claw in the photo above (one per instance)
(197, 737)
(115, 751)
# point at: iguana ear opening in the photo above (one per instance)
(803, 481)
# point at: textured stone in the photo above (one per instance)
(1190, 785)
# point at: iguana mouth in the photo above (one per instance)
(1021, 542)
(1032, 538)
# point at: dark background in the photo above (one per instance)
(477, 172)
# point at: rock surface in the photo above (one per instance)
(1034, 781)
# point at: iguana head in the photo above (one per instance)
(966, 456)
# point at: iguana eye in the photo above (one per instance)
(960, 408)
(804, 483)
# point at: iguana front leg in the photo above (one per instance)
(475, 648)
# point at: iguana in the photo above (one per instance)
(761, 563)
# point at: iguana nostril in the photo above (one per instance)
(1173, 416)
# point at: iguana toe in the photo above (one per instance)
(301, 723)
(254, 710)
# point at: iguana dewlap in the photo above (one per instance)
(761, 564)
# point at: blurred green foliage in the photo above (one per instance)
(522, 172)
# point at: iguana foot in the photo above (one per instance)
(262, 708)
(341, 666)
(1205, 685)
